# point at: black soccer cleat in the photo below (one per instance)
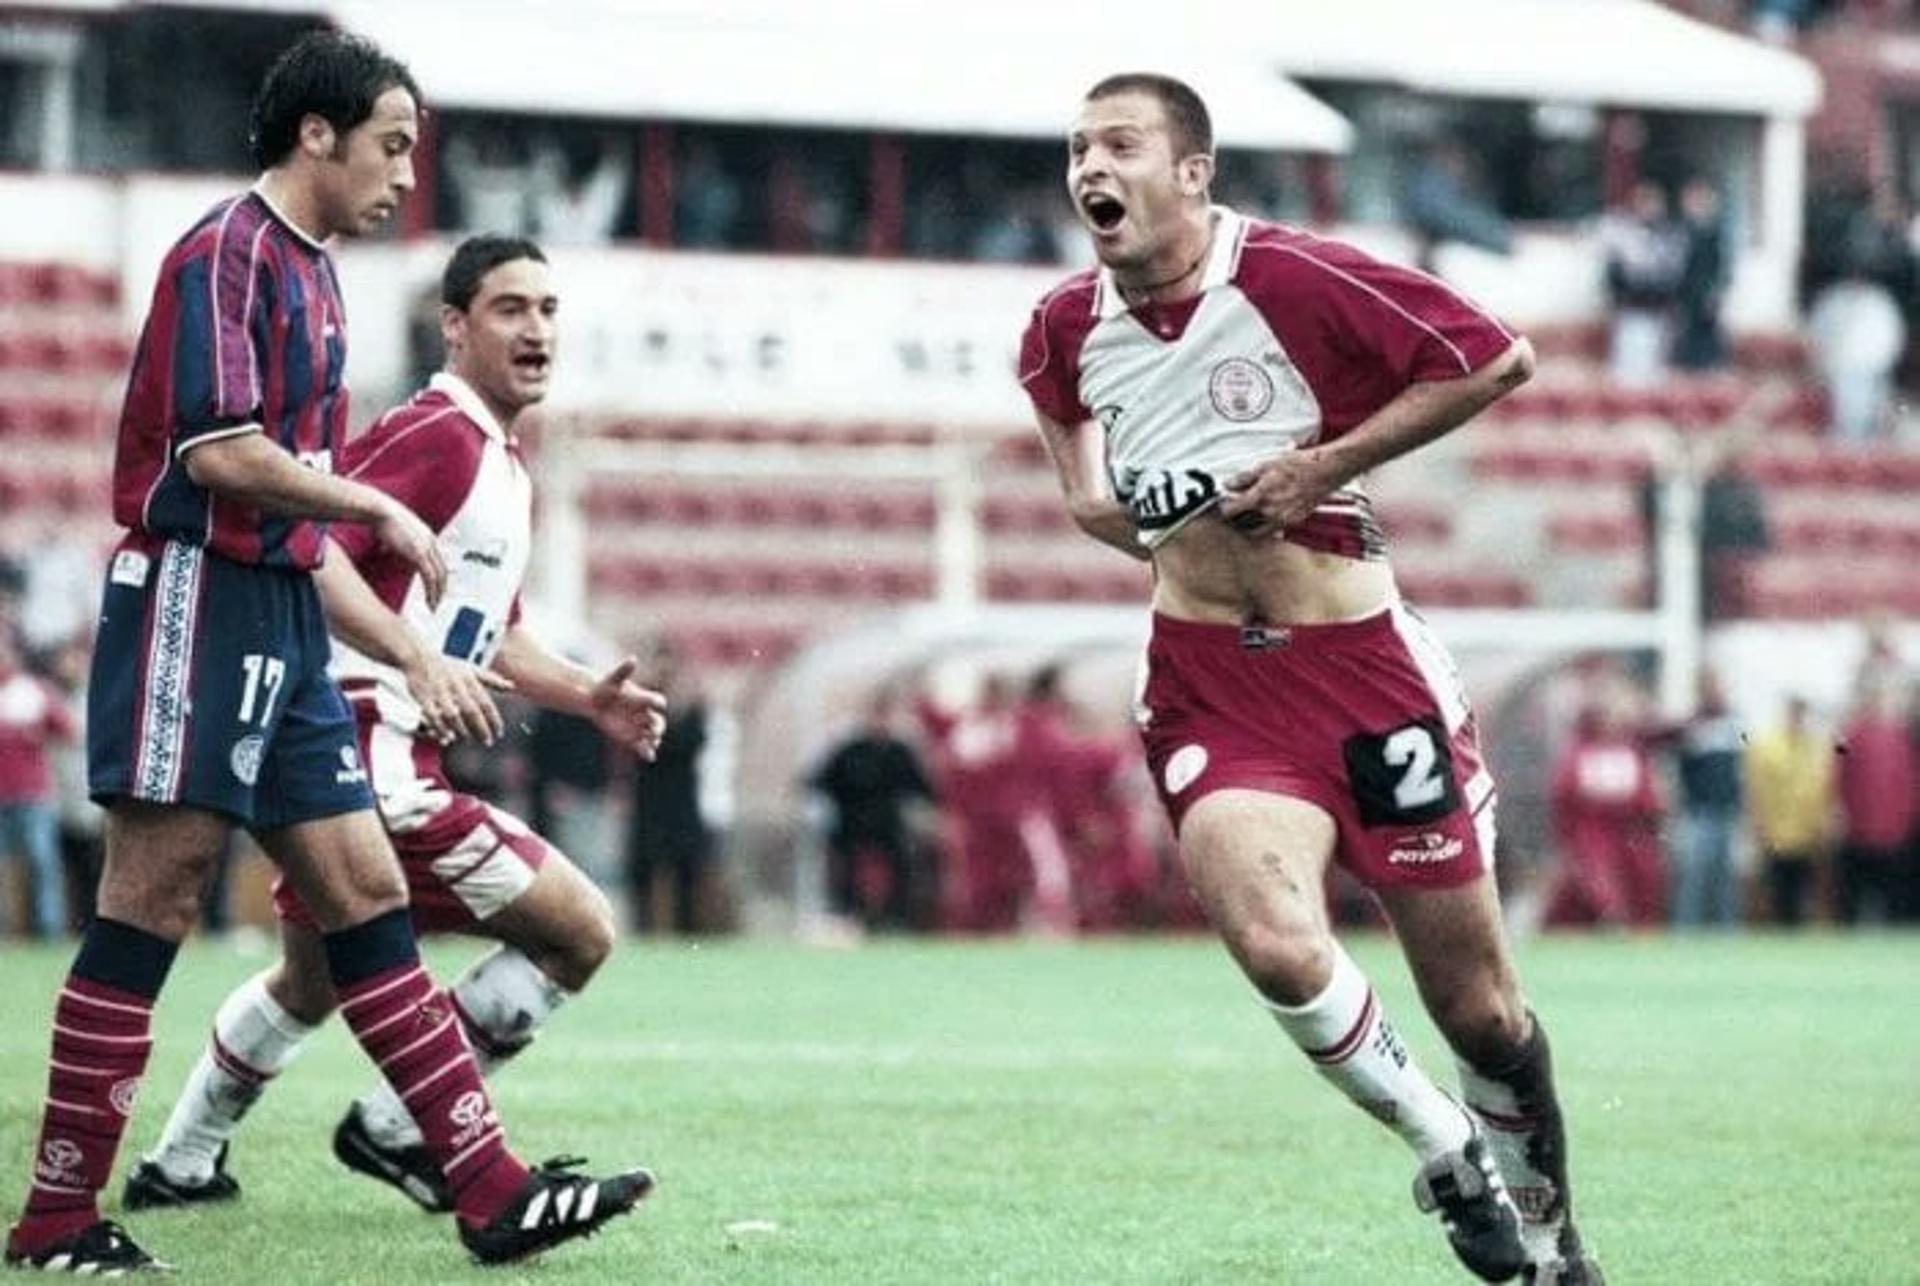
(100, 1249)
(151, 1188)
(411, 1169)
(1481, 1222)
(554, 1206)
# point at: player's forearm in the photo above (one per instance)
(356, 615)
(541, 676)
(251, 470)
(1425, 412)
(1079, 458)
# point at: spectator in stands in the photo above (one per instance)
(486, 167)
(582, 182)
(1708, 754)
(1858, 319)
(872, 781)
(707, 203)
(668, 838)
(1790, 804)
(1606, 813)
(1876, 778)
(1699, 340)
(32, 714)
(1645, 253)
(1445, 200)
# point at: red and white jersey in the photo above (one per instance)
(1292, 340)
(445, 457)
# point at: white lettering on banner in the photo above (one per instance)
(668, 334)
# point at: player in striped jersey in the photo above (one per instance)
(1212, 394)
(210, 705)
(406, 664)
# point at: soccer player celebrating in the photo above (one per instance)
(210, 705)
(1211, 394)
(407, 667)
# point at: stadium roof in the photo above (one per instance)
(1621, 53)
(748, 63)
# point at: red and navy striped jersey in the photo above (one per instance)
(246, 332)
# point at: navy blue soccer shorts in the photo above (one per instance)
(210, 689)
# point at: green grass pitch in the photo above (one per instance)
(1743, 1111)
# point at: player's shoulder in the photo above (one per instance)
(430, 422)
(1072, 297)
(1270, 250)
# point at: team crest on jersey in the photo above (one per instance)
(245, 758)
(1240, 390)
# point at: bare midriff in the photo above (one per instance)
(1209, 571)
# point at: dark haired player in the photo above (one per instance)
(449, 454)
(210, 705)
(1212, 394)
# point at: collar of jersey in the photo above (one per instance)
(462, 395)
(281, 215)
(1221, 258)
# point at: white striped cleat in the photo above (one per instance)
(555, 1205)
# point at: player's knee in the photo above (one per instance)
(305, 998)
(589, 944)
(1484, 1025)
(1289, 965)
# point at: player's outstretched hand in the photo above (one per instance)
(456, 699)
(401, 530)
(1279, 493)
(630, 714)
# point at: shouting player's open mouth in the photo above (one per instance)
(1103, 211)
(533, 365)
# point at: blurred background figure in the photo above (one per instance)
(1446, 200)
(1606, 813)
(1699, 340)
(1876, 770)
(669, 842)
(82, 822)
(1708, 755)
(1645, 256)
(570, 767)
(581, 184)
(1790, 805)
(33, 720)
(875, 786)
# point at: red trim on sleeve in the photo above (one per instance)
(1050, 350)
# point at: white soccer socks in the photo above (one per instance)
(1345, 1032)
(502, 1002)
(253, 1039)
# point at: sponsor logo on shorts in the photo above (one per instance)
(1240, 390)
(1184, 768)
(245, 757)
(123, 1093)
(351, 772)
(130, 567)
(1429, 848)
